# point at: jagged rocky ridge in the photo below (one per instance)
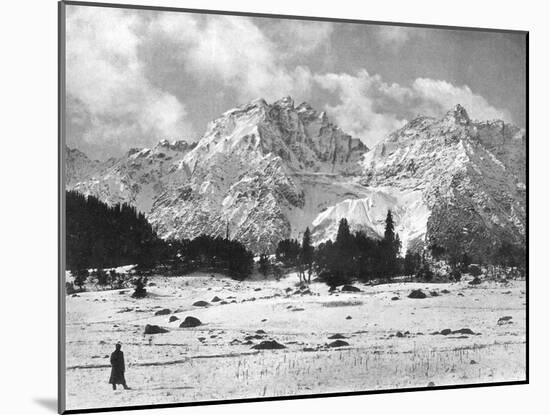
(471, 176)
(263, 172)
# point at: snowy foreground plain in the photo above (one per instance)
(215, 361)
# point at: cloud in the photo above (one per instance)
(295, 37)
(111, 106)
(235, 52)
(396, 37)
(393, 35)
(131, 76)
(437, 95)
(370, 108)
(356, 113)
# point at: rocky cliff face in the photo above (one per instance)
(263, 172)
(471, 176)
(246, 174)
(136, 178)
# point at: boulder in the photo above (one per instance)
(153, 329)
(348, 318)
(395, 298)
(337, 336)
(445, 332)
(417, 294)
(350, 289)
(190, 322)
(504, 320)
(173, 318)
(269, 345)
(216, 299)
(463, 331)
(163, 312)
(201, 303)
(338, 343)
(254, 336)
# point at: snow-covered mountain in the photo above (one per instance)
(471, 176)
(136, 178)
(266, 171)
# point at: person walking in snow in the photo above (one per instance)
(117, 368)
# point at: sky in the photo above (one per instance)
(135, 77)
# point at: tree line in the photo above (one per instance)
(208, 252)
(351, 256)
(356, 257)
(101, 236)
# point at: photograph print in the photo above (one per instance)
(266, 207)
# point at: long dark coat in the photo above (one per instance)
(117, 368)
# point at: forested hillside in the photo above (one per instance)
(100, 236)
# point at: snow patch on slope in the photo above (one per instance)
(368, 214)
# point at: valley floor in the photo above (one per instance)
(215, 361)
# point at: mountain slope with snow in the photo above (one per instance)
(471, 175)
(263, 172)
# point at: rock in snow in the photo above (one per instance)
(338, 343)
(153, 329)
(350, 288)
(417, 294)
(190, 322)
(269, 345)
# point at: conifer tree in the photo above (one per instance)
(412, 262)
(80, 277)
(389, 234)
(263, 264)
(343, 237)
(102, 278)
(390, 247)
(288, 251)
(307, 254)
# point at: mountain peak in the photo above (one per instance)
(176, 145)
(458, 114)
(285, 102)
